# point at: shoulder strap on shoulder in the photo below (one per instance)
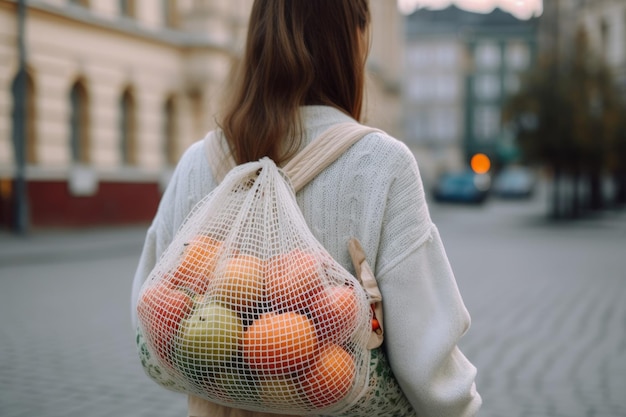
(323, 151)
(305, 165)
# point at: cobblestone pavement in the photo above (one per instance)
(66, 344)
(548, 304)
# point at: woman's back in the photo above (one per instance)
(303, 71)
(348, 199)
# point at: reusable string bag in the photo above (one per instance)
(246, 309)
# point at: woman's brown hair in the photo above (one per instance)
(298, 52)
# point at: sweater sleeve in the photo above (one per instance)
(190, 182)
(423, 310)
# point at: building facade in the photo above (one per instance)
(461, 66)
(605, 23)
(115, 91)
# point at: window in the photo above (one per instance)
(127, 8)
(488, 55)
(198, 110)
(486, 123)
(420, 88)
(127, 128)
(419, 56)
(170, 13)
(84, 3)
(447, 87)
(604, 35)
(624, 32)
(29, 134)
(170, 132)
(487, 86)
(434, 125)
(79, 123)
(438, 87)
(419, 127)
(447, 56)
(517, 56)
(445, 124)
(512, 83)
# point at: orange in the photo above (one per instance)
(330, 378)
(292, 279)
(197, 264)
(160, 311)
(335, 312)
(280, 343)
(241, 284)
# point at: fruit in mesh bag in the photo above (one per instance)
(331, 376)
(197, 264)
(280, 343)
(335, 311)
(235, 383)
(281, 391)
(292, 279)
(241, 284)
(207, 339)
(160, 310)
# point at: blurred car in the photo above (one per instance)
(515, 182)
(462, 187)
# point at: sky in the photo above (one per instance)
(523, 9)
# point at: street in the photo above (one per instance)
(548, 306)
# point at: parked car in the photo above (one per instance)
(462, 187)
(514, 182)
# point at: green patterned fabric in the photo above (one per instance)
(383, 398)
(153, 368)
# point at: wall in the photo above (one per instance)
(155, 58)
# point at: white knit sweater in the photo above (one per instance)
(372, 192)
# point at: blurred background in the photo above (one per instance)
(100, 98)
(515, 111)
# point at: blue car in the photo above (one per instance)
(462, 187)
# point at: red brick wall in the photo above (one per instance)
(51, 204)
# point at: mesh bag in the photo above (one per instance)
(246, 309)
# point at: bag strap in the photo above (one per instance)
(366, 277)
(306, 164)
(323, 151)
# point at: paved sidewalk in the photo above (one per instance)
(548, 305)
(66, 342)
(58, 245)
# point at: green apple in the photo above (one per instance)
(209, 337)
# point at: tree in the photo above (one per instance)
(568, 117)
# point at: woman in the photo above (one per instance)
(303, 71)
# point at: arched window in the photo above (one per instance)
(605, 37)
(79, 123)
(127, 8)
(170, 13)
(128, 128)
(198, 113)
(170, 131)
(29, 137)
